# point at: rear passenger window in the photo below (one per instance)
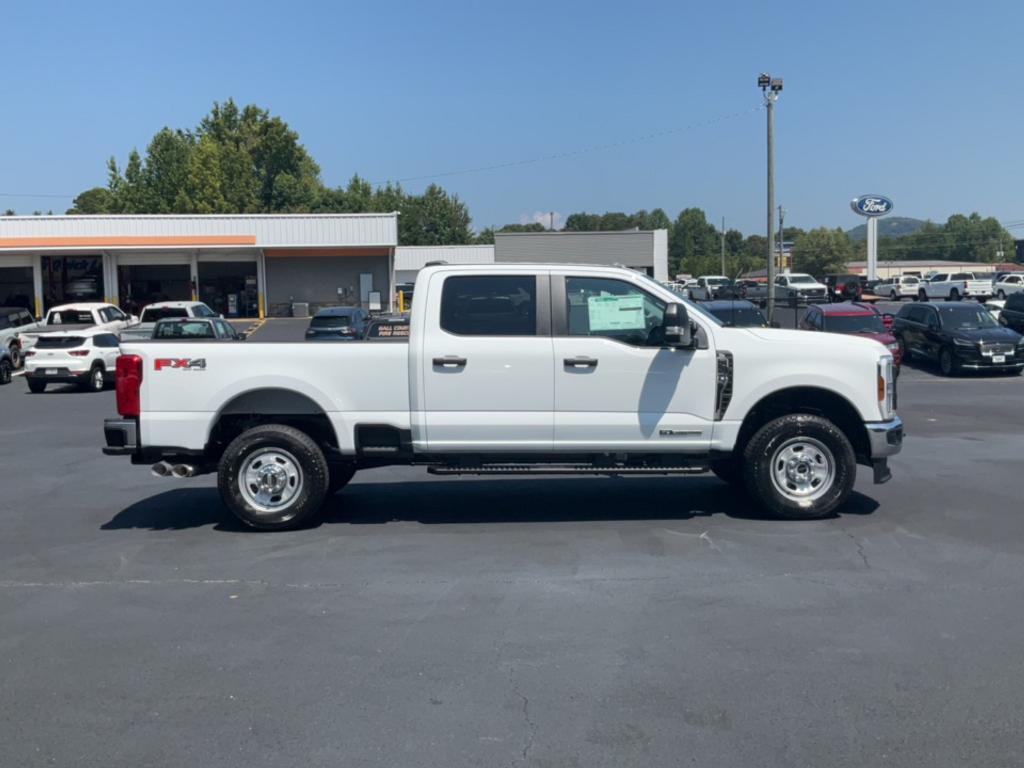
(499, 305)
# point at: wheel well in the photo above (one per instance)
(820, 402)
(270, 406)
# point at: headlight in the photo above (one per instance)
(886, 388)
(963, 343)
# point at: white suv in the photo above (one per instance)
(896, 288)
(1008, 285)
(86, 358)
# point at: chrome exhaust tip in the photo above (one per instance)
(183, 470)
(160, 469)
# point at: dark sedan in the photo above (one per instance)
(736, 313)
(959, 336)
(334, 323)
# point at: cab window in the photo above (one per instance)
(613, 309)
(490, 305)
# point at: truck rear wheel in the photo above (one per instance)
(801, 467)
(273, 477)
(36, 385)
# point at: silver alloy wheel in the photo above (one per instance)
(97, 379)
(270, 480)
(803, 469)
(16, 356)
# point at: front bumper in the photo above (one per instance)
(121, 435)
(885, 439)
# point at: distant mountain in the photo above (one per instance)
(888, 226)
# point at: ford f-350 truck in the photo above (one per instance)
(517, 369)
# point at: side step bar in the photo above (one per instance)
(566, 469)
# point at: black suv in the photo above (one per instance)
(844, 287)
(1012, 314)
(959, 335)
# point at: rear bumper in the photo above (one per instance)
(121, 437)
(885, 439)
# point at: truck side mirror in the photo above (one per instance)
(677, 327)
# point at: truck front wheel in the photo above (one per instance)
(273, 477)
(800, 467)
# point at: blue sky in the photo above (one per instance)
(919, 101)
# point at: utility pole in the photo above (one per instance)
(782, 215)
(551, 226)
(723, 247)
(771, 87)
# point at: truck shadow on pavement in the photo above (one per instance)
(479, 501)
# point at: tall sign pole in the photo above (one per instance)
(871, 207)
(771, 87)
(723, 247)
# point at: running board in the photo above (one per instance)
(565, 469)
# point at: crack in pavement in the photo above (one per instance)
(530, 725)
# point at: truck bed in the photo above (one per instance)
(186, 384)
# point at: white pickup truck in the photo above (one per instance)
(791, 288)
(954, 286)
(517, 369)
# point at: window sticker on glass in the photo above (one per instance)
(615, 313)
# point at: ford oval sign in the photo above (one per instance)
(871, 205)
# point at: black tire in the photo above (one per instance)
(35, 386)
(340, 475)
(894, 296)
(1001, 295)
(948, 364)
(308, 484)
(16, 358)
(6, 369)
(824, 442)
(95, 381)
(728, 471)
(904, 350)
(921, 295)
(954, 295)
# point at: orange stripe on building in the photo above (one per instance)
(107, 241)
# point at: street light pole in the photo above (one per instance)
(723, 247)
(782, 216)
(771, 87)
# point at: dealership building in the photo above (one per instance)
(240, 265)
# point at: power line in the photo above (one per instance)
(576, 152)
(30, 194)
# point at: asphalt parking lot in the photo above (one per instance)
(546, 622)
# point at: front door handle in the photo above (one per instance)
(450, 361)
(580, 362)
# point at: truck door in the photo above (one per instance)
(486, 363)
(616, 387)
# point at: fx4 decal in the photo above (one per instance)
(181, 364)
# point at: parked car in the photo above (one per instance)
(710, 287)
(86, 358)
(163, 310)
(79, 317)
(742, 286)
(13, 321)
(844, 287)
(522, 370)
(194, 329)
(736, 313)
(388, 328)
(335, 323)
(1012, 315)
(898, 288)
(958, 336)
(953, 286)
(6, 366)
(855, 319)
(1008, 284)
(790, 288)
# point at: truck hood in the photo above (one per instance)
(809, 343)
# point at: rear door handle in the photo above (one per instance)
(450, 361)
(580, 362)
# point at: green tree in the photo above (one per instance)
(694, 244)
(822, 251)
(92, 201)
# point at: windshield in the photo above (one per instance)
(194, 330)
(152, 314)
(801, 279)
(330, 321)
(854, 324)
(966, 318)
(690, 306)
(69, 317)
(59, 342)
(741, 318)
